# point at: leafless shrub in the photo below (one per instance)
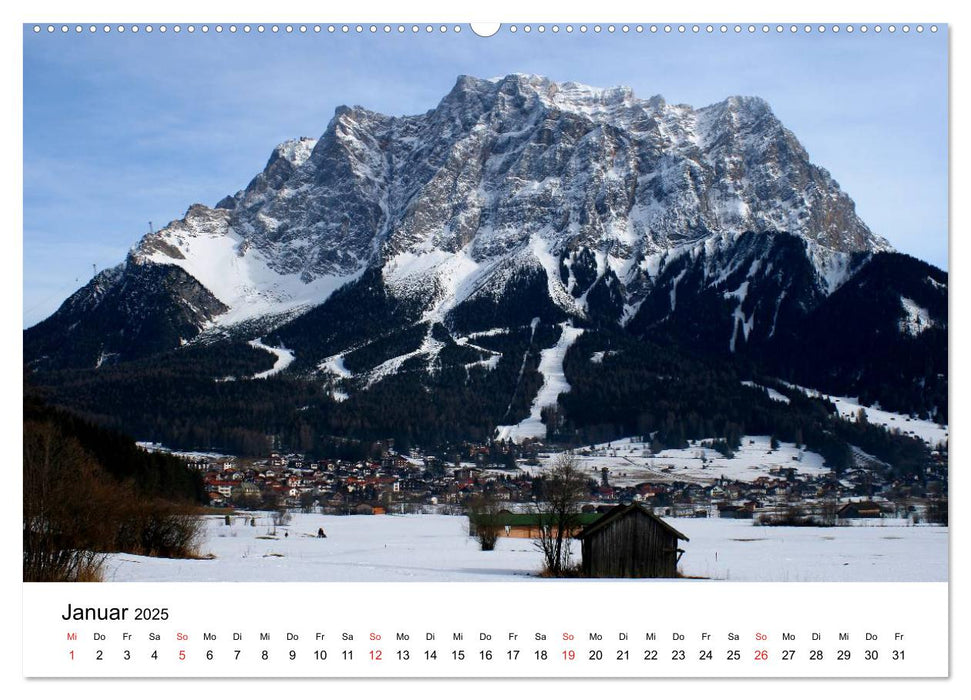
(157, 528)
(937, 511)
(483, 512)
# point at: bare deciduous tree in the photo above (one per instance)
(828, 511)
(308, 501)
(280, 517)
(564, 489)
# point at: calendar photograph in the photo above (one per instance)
(429, 303)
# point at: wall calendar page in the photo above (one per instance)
(524, 350)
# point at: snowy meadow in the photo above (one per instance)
(438, 548)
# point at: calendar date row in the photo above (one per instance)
(463, 654)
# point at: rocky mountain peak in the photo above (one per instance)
(294, 151)
(518, 171)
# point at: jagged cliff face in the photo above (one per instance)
(500, 161)
(519, 170)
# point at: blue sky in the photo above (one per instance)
(120, 130)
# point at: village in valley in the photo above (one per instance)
(763, 481)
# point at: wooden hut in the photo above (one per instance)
(629, 541)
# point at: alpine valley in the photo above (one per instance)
(527, 260)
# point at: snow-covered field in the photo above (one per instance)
(928, 431)
(192, 456)
(773, 394)
(884, 550)
(628, 464)
(437, 548)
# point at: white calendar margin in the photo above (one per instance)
(385, 630)
(494, 10)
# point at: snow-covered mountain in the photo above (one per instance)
(521, 169)
(516, 198)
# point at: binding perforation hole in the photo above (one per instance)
(487, 29)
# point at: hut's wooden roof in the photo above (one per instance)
(620, 511)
